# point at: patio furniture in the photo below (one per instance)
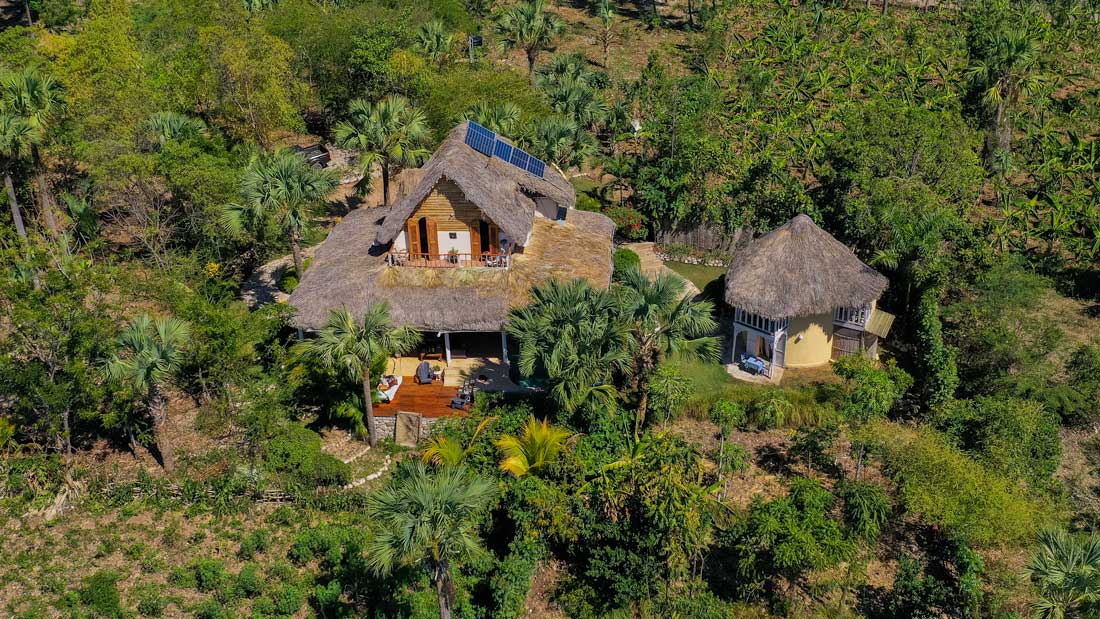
(424, 373)
(465, 397)
(390, 393)
(753, 364)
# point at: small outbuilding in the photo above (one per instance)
(801, 299)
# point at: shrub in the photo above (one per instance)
(630, 224)
(866, 508)
(735, 459)
(586, 202)
(512, 580)
(151, 604)
(249, 582)
(287, 599)
(813, 445)
(99, 592)
(624, 259)
(212, 609)
(941, 486)
(295, 454)
(210, 575)
(254, 542)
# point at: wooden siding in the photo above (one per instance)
(451, 211)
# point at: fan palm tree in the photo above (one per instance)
(167, 126)
(663, 320)
(149, 355)
(390, 133)
(284, 189)
(530, 27)
(605, 12)
(435, 42)
(499, 117)
(1066, 572)
(559, 140)
(539, 446)
(347, 346)
(35, 99)
(1007, 73)
(571, 336)
(429, 519)
(16, 137)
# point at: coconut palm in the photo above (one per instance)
(348, 346)
(283, 189)
(16, 137)
(428, 519)
(435, 42)
(149, 355)
(500, 117)
(391, 134)
(167, 126)
(539, 446)
(1066, 572)
(530, 27)
(570, 336)
(35, 99)
(1007, 73)
(663, 320)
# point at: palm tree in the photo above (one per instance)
(435, 42)
(347, 346)
(428, 519)
(499, 117)
(1007, 73)
(284, 189)
(390, 133)
(1066, 572)
(571, 336)
(663, 320)
(168, 126)
(605, 12)
(16, 137)
(445, 451)
(539, 446)
(530, 27)
(36, 100)
(560, 141)
(149, 355)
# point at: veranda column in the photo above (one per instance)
(447, 345)
(504, 346)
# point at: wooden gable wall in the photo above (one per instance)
(449, 209)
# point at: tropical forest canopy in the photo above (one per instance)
(170, 448)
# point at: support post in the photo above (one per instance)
(504, 346)
(447, 345)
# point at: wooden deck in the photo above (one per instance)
(428, 400)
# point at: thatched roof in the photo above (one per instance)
(499, 189)
(348, 272)
(799, 269)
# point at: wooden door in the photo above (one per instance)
(475, 240)
(412, 237)
(433, 238)
(494, 239)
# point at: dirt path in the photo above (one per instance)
(653, 266)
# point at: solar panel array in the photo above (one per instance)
(487, 143)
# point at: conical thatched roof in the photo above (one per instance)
(799, 269)
(499, 189)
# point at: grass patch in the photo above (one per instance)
(708, 279)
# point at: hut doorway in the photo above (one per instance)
(427, 237)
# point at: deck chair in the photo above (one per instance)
(424, 373)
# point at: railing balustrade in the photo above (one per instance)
(853, 316)
(448, 260)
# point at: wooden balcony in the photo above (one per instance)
(399, 258)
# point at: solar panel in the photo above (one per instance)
(502, 150)
(519, 158)
(536, 166)
(480, 139)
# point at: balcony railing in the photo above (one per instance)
(448, 261)
(855, 317)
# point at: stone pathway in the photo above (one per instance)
(373, 476)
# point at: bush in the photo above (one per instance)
(629, 223)
(99, 592)
(249, 582)
(210, 575)
(287, 599)
(866, 508)
(150, 602)
(941, 486)
(624, 259)
(512, 580)
(212, 609)
(254, 542)
(295, 454)
(586, 202)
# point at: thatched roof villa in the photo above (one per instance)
(801, 298)
(481, 223)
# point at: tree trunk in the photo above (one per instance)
(859, 462)
(606, 48)
(296, 249)
(45, 201)
(643, 404)
(721, 459)
(27, 12)
(867, 5)
(160, 416)
(385, 184)
(885, 5)
(532, 56)
(368, 407)
(65, 429)
(443, 591)
(16, 214)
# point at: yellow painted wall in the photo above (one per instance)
(816, 345)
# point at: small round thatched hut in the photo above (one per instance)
(801, 298)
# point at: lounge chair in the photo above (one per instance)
(424, 373)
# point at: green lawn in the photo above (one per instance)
(706, 279)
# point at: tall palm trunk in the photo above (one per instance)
(1000, 135)
(16, 213)
(443, 587)
(45, 198)
(532, 56)
(296, 250)
(27, 12)
(643, 404)
(385, 184)
(368, 406)
(159, 408)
